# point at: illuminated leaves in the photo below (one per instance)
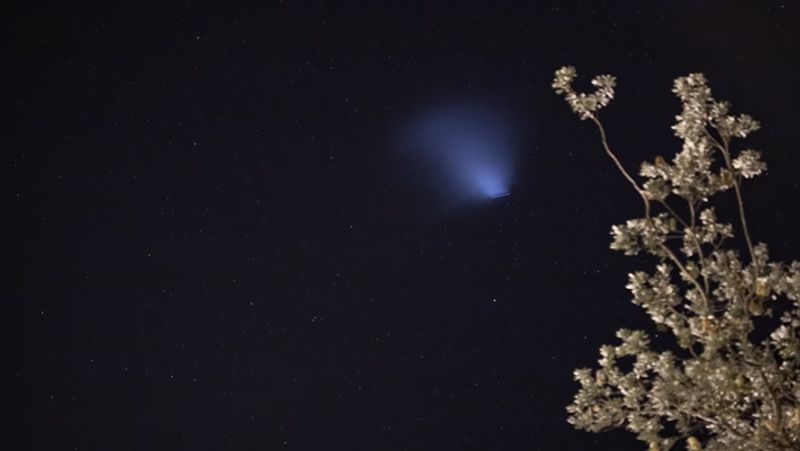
(585, 105)
(749, 163)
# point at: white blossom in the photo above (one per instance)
(585, 105)
(749, 163)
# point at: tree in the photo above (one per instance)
(720, 387)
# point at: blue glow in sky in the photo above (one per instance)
(469, 150)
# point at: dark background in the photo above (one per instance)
(211, 248)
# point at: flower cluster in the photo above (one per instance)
(732, 380)
(749, 163)
(585, 105)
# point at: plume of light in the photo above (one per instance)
(467, 149)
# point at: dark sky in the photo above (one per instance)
(214, 247)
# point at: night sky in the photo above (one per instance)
(232, 228)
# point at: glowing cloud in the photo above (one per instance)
(469, 150)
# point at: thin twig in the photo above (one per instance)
(726, 153)
(621, 168)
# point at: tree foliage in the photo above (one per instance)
(721, 387)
